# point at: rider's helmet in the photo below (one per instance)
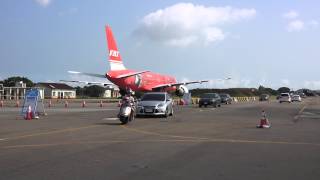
(130, 92)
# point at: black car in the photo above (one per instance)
(225, 98)
(208, 99)
(264, 97)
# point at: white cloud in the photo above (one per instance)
(285, 82)
(314, 85)
(291, 14)
(296, 26)
(43, 3)
(184, 24)
(313, 23)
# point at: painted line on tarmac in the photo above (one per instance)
(49, 132)
(296, 117)
(161, 141)
(110, 119)
(158, 134)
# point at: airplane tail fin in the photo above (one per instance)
(114, 55)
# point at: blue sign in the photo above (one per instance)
(30, 99)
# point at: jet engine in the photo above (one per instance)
(181, 90)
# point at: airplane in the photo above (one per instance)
(135, 80)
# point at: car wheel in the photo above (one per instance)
(171, 114)
(166, 113)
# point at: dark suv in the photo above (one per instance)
(212, 99)
(225, 98)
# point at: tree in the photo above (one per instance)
(94, 91)
(284, 90)
(11, 81)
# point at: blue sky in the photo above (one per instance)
(268, 43)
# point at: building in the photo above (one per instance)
(56, 91)
(14, 93)
(111, 92)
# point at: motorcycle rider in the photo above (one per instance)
(128, 99)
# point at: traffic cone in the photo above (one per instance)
(66, 104)
(264, 122)
(28, 113)
(83, 104)
(101, 104)
(1, 103)
(119, 103)
(50, 103)
(17, 104)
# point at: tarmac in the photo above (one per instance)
(196, 143)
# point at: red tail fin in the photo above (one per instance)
(114, 54)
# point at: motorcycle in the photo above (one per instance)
(127, 110)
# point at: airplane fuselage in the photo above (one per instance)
(140, 82)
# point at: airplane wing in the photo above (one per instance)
(88, 74)
(88, 83)
(184, 83)
(131, 74)
(177, 84)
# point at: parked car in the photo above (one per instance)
(225, 98)
(264, 97)
(208, 99)
(155, 103)
(285, 97)
(296, 97)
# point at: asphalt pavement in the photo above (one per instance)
(196, 143)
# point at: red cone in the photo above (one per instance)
(66, 104)
(1, 103)
(83, 104)
(50, 103)
(29, 113)
(101, 104)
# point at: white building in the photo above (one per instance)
(56, 91)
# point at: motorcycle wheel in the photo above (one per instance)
(124, 120)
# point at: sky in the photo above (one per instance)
(270, 43)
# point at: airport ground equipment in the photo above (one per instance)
(31, 104)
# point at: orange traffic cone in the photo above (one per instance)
(101, 104)
(28, 113)
(1, 103)
(264, 122)
(66, 104)
(119, 103)
(17, 103)
(83, 104)
(50, 103)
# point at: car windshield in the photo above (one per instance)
(208, 96)
(153, 97)
(285, 95)
(223, 95)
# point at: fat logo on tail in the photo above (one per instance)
(113, 52)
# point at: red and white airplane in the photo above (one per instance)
(135, 80)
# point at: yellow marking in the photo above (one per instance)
(163, 140)
(163, 135)
(300, 112)
(50, 132)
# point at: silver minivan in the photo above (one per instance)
(155, 103)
